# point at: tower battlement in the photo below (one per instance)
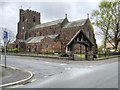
(22, 11)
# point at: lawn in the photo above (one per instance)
(80, 55)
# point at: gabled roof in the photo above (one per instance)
(80, 31)
(75, 23)
(55, 22)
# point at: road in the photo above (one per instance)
(105, 76)
(66, 75)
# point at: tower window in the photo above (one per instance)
(23, 18)
(17, 46)
(21, 46)
(34, 19)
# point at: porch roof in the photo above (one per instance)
(85, 42)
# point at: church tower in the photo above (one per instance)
(27, 19)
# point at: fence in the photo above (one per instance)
(101, 54)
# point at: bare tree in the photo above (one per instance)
(11, 35)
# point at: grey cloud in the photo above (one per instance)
(9, 11)
(55, 10)
(51, 10)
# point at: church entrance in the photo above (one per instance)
(85, 49)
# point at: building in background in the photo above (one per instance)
(111, 46)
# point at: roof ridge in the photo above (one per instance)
(80, 22)
(52, 21)
(77, 20)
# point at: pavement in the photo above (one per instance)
(52, 71)
(12, 76)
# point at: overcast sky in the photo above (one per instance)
(50, 10)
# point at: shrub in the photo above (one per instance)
(64, 55)
(14, 50)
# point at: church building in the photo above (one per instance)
(58, 36)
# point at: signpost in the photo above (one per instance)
(5, 38)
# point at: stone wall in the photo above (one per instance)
(27, 20)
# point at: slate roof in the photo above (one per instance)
(34, 39)
(55, 22)
(39, 38)
(75, 23)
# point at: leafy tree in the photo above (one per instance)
(106, 18)
(100, 49)
(115, 24)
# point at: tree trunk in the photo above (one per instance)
(105, 39)
(116, 41)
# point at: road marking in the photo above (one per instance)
(90, 66)
(67, 68)
(45, 76)
(63, 64)
(33, 73)
(47, 62)
(33, 80)
(13, 67)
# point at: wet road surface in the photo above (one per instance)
(67, 75)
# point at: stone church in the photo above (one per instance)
(58, 36)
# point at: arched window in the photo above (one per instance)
(17, 46)
(33, 18)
